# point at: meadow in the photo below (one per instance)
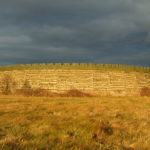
(48, 123)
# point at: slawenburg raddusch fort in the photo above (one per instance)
(97, 79)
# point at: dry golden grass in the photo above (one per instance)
(74, 123)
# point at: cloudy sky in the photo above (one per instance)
(93, 31)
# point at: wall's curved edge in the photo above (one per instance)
(97, 82)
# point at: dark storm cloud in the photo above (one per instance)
(116, 31)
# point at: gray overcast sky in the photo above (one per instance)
(93, 31)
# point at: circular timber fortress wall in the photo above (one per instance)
(97, 82)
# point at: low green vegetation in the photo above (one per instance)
(78, 66)
(74, 123)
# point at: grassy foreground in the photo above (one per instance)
(74, 123)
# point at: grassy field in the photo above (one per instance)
(76, 66)
(74, 123)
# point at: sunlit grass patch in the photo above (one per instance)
(74, 123)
